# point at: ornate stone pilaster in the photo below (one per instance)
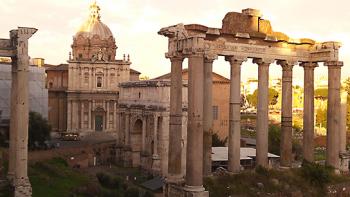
(208, 113)
(333, 113)
(175, 123)
(262, 112)
(308, 116)
(234, 138)
(89, 121)
(287, 98)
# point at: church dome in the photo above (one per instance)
(93, 25)
(94, 41)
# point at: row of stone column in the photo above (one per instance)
(199, 101)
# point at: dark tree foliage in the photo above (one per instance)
(274, 139)
(217, 142)
(38, 130)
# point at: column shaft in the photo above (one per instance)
(82, 116)
(155, 136)
(333, 114)
(308, 116)
(127, 129)
(13, 122)
(144, 123)
(22, 111)
(262, 115)
(194, 155)
(207, 116)
(287, 98)
(175, 123)
(234, 136)
(90, 109)
(107, 115)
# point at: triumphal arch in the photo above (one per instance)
(16, 48)
(242, 36)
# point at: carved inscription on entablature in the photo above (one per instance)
(5, 44)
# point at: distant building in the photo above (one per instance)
(38, 93)
(84, 93)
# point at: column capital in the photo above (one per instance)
(236, 59)
(309, 65)
(210, 57)
(286, 64)
(334, 63)
(175, 57)
(263, 61)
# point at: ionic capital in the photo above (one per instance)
(177, 58)
(210, 57)
(286, 65)
(236, 59)
(334, 64)
(309, 65)
(263, 61)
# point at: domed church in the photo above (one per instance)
(93, 75)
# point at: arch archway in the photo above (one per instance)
(136, 142)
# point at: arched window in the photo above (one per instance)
(50, 85)
(99, 82)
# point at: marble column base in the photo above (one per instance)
(23, 188)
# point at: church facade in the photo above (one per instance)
(89, 84)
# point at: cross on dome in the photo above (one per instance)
(95, 11)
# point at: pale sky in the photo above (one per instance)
(135, 24)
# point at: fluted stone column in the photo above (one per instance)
(13, 122)
(21, 183)
(175, 123)
(287, 99)
(308, 116)
(333, 113)
(194, 155)
(262, 112)
(234, 136)
(208, 114)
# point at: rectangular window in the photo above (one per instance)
(215, 112)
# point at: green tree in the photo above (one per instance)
(217, 142)
(321, 117)
(38, 130)
(253, 98)
(321, 93)
(274, 139)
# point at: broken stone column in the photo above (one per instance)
(308, 115)
(208, 114)
(262, 117)
(287, 99)
(333, 113)
(234, 136)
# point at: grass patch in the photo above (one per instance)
(310, 180)
(54, 178)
